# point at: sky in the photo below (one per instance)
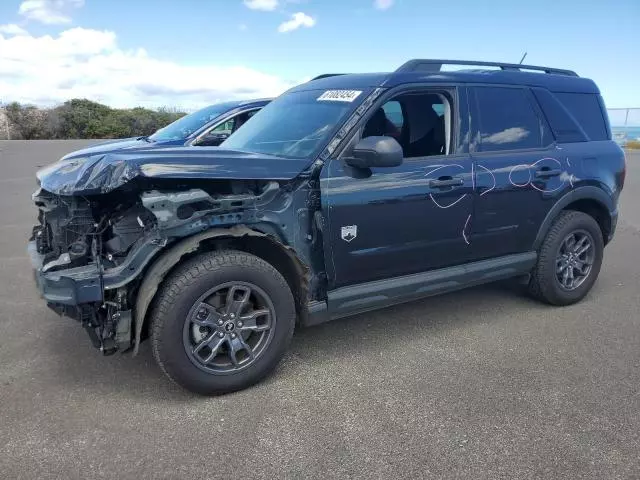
(190, 53)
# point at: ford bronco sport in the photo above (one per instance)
(345, 194)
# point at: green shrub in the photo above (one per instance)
(27, 121)
(82, 118)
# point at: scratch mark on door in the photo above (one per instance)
(464, 230)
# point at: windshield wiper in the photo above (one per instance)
(145, 138)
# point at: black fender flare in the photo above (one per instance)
(168, 259)
(587, 192)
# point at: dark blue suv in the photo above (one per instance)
(346, 194)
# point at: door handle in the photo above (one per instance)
(548, 173)
(444, 182)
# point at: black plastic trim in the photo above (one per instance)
(363, 297)
(580, 193)
(317, 313)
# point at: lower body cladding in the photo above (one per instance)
(112, 285)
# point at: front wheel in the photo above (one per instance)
(222, 322)
(569, 260)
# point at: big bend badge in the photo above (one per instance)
(349, 232)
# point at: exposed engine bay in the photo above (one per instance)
(73, 231)
(102, 244)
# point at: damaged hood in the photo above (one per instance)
(104, 172)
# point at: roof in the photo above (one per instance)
(231, 104)
(429, 71)
(255, 101)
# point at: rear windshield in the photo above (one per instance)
(296, 124)
(585, 108)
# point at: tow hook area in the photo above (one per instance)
(106, 345)
(113, 335)
(109, 329)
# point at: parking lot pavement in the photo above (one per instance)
(483, 383)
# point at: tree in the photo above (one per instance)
(27, 122)
(82, 118)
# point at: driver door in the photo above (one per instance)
(394, 221)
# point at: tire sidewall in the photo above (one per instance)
(170, 349)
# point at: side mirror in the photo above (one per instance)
(376, 152)
(212, 139)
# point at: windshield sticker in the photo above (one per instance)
(339, 95)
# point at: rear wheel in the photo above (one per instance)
(222, 322)
(569, 260)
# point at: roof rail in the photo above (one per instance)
(325, 75)
(428, 65)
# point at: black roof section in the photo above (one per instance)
(431, 71)
(325, 75)
(429, 65)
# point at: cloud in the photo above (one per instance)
(49, 12)
(87, 63)
(297, 20)
(383, 4)
(12, 29)
(266, 5)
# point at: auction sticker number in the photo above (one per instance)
(339, 95)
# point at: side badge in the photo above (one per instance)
(349, 232)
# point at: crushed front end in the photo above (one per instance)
(91, 254)
(75, 243)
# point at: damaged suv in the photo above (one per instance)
(346, 194)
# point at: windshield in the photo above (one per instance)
(296, 124)
(185, 126)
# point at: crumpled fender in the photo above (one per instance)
(170, 258)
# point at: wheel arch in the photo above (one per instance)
(587, 199)
(238, 237)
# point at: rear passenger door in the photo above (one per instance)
(518, 171)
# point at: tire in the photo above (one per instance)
(175, 335)
(545, 284)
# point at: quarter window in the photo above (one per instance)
(585, 108)
(507, 120)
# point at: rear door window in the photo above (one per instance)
(508, 120)
(226, 127)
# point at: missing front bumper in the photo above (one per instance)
(73, 286)
(78, 293)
